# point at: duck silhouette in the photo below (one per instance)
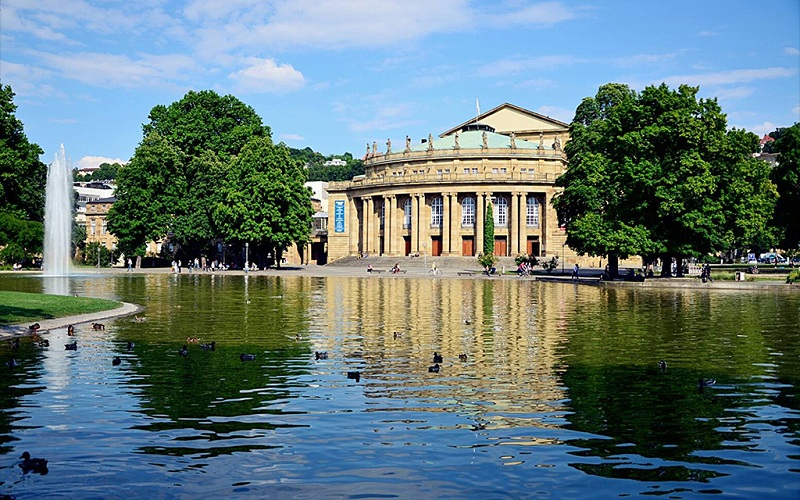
(35, 465)
(11, 363)
(321, 355)
(247, 357)
(702, 383)
(184, 351)
(354, 376)
(72, 346)
(462, 357)
(398, 335)
(662, 365)
(116, 361)
(437, 358)
(34, 327)
(15, 344)
(130, 345)
(211, 346)
(70, 330)
(434, 368)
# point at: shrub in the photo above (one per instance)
(550, 265)
(794, 276)
(487, 260)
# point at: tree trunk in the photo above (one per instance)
(613, 265)
(666, 265)
(679, 267)
(138, 262)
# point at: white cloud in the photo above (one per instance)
(734, 93)
(729, 77)
(792, 51)
(536, 84)
(561, 114)
(644, 59)
(264, 75)
(761, 129)
(114, 70)
(95, 161)
(292, 137)
(708, 33)
(543, 14)
(25, 79)
(513, 66)
(796, 110)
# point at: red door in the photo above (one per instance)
(436, 246)
(500, 247)
(467, 247)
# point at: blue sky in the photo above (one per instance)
(336, 75)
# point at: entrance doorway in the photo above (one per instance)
(533, 247)
(407, 243)
(468, 246)
(500, 246)
(436, 246)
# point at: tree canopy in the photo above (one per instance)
(22, 175)
(264, 200)
(786, 176)
(22, 186)
(207, 170)
(657, 173)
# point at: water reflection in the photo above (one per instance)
(558, 385)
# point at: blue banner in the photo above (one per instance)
(338, 216)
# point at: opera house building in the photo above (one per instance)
(431, 197)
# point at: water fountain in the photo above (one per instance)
(58, 217)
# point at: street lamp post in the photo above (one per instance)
(562, 258)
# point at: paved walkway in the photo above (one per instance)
(48, 324)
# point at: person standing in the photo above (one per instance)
(130, 263)
(575, 270)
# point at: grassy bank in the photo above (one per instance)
(18, 307)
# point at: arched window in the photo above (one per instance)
(500, 211)
(532, 219)
(437, 209)
(407, 214)
(468, 212)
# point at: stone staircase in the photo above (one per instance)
(383, 262)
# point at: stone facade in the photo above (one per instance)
(96, 230)
(431, 198)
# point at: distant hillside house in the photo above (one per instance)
(336, 162)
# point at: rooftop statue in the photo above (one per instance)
(388, 146)
(485, 139)
(513, 140)
(430, 142)
(408, 144)
(457, 145)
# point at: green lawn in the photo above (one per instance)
(18, 307)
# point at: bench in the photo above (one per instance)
(375, 271)
(469, 273)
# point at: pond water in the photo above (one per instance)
(561, 394)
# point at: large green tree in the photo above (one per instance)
(170, 186)
(786, 176)
(22, 185)
(264, 200)
(657, 173)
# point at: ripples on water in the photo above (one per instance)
(560, 394)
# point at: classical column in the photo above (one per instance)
(479, 204)
(445, 223)
(522, 230)
(352, 229)
(513, 226)
(414, 223)
(455, 225)
(424, 225)
(366, 224)
(388, 233)
(376, 227)
(399, 246)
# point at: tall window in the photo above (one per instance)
(407, 214)
(383, 213)
(532, 219)
(104, 227)
(437, 209)
(93, 228)
(468, 212)
(500, 211)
